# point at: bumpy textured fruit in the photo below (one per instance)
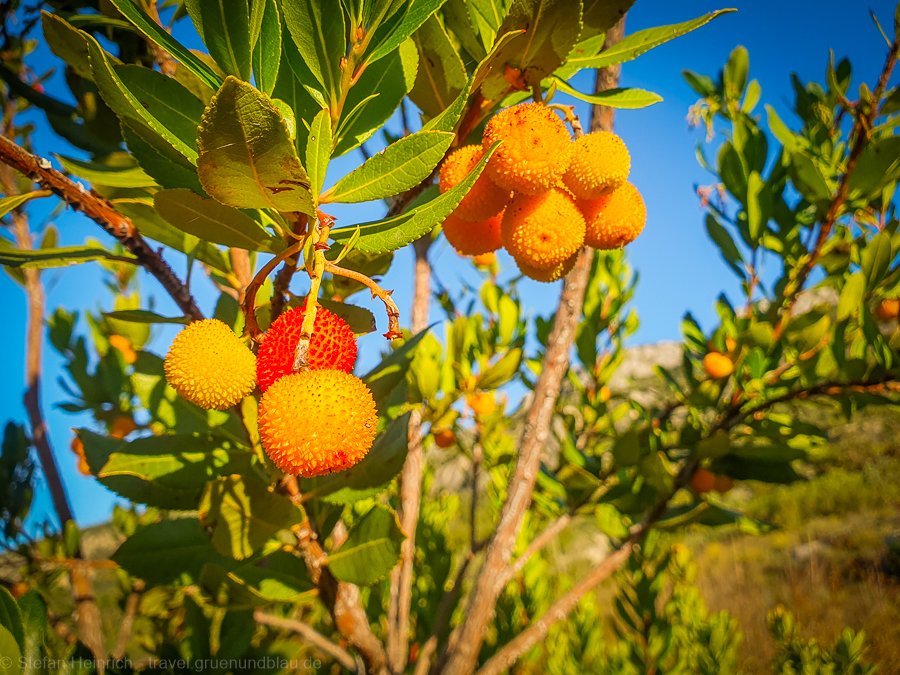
(544, 230)
(473, 238)
(702, 481)
(317, 422)
(553, 274)
(485, 200)
(535, 152)
(615, 219)
(209, 365)
(444, 438)
(332, 345)
(600, 164)
(888, 310)
(717, 365)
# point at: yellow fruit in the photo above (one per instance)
(600, 164)
(552, 274)
(485, 200)
(535, 152)
(122, 426)
(615, 219)
(485, 259)
(888, 310)
(444, 438)
(702, 481)
(123, 344)
(543, 231)
(317, 422)
(209, 365)
(717, 365)
(483, 403)
(604, 394)
(723, 484)
(471, 238)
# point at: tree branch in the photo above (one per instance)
(102, 212)
(314, 637)
(462, 657)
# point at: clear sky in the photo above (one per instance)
(679, 267)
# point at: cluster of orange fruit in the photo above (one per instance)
(542, 196)
(311, 422)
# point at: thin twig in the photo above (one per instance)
(313, 636)
(101, 211)
(445, 609)
(377, 292)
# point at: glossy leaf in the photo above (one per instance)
(267, 52)
(601, 15)
(876, 259)
(68, 43)
(400, 166)
(11, 618)
(225, 29)
(396, 232)
(52, 257)
(318, 150)
(146, 316)
(371, 549)
(9, 647)
(111, 176)
(442, 74)
(214, 222)
(387, 375)
(247, 159)
(412, 19)
(159, 158)
(613, 98)
(7, 204)
(319, 34)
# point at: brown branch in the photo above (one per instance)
(286, 273)
(462, 657)
(240, 261)
(102, 212)
(248, 306)
(445, 609)
(410, 480)
(861, 130)
(314, 637)
(377, 292)
(131, 606)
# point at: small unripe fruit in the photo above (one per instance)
(600, 164)
(483, 403)
(604, 394)
(123, 344)
(473, 238)
(332, 345)
(485, 200)
(543, 231)
(723, 484)
(122, 426)
(535, 152)
(209, 365)
(547, 276)
(703, 481)
(444, 438)
(717, 365)
(614, 220)
(888, 309)
(485, 259)
(316, 422)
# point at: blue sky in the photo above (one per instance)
(679, 267)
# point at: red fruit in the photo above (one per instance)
(332, 346)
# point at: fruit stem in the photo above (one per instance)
(377, 292)
(315, 268)
(248, 307)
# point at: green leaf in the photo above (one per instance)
(808, 180)
(360, 320)
(224, 26)
(501, 372)
(34, 624)
(371, 549)
(876, 259)
(247, 159)
(9, 648)
(878, 165)
(53, 257)
(7, 204)
(318, 150)
(318, 31)
(852, 295)
(442, 74)
(243, 514)
(396, 232)
(400, 166)
(161, 552)
(11, 618)
(613, 98)
(375, 97)
(448, 119)
(632, 46)
(384, 378)
(723, 240)
(281, 577)
(214, 222)
(415, 17)
(759, 206)
(371, 474)
(162, 471)
(601, 15)
(267, 52)
(166, 99)
(159, 158)
(734, 75)
(627, 449)
(110, 176)
(68, 43)
(551, 29)
(146, 316)
(131, 11)
(153, 226)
